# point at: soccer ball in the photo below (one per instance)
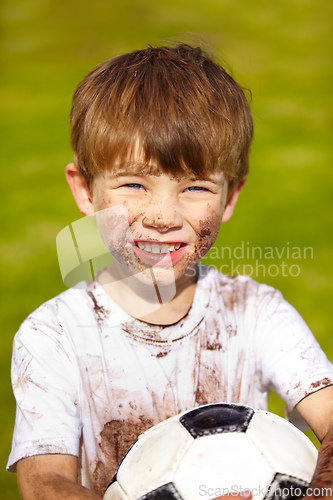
(214, 450)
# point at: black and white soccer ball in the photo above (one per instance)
(214, 450)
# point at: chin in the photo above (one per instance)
(156, 276)
(168, 278)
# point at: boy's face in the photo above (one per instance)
(155, 226)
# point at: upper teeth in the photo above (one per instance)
(158, 247)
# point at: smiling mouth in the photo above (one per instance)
(158, 248)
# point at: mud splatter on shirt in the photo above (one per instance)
(97, 378)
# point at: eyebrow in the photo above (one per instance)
(128, 170)
(141, 169)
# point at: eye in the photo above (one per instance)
(133, 185)
(196, 188)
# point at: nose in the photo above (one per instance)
(162, 215)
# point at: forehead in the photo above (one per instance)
(138, 161)
(134, 167)
(141, 168)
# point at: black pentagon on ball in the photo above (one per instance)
(285, 487)
(216, 419)
(167, 491)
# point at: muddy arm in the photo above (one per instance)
(51, 477)
(317, 411)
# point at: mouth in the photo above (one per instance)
(153, 252)
(158, 248)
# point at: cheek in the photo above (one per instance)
(209, 226)
(207, 229)
(134, 211)
(112, 225)
(116, 222)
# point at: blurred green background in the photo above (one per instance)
(280, 50)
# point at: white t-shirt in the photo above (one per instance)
(88, 378)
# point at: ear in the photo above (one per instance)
(79, 188)
(232, 200)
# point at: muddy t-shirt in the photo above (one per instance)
(88, 378)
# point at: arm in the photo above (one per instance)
(51, 477)
(317, 411)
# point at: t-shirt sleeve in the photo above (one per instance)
(292, 361)
(45, 386)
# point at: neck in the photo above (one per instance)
(152, 303)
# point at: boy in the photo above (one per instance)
(161, 140)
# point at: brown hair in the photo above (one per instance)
(188, 113)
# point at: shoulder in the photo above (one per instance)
(238, 291)
(53, 307)
(61, 313)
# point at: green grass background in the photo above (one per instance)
(280, 50)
